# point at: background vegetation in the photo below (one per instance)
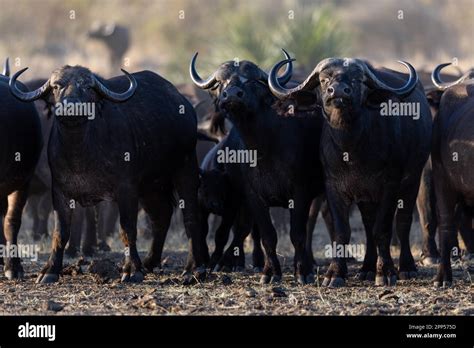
(43, 35)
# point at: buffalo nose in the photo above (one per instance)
(233, 92)
(339, 90)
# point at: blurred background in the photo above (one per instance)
(162, 35)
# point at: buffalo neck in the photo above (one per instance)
(257, 130)
(348, 139)
(75, 141)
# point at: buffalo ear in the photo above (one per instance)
(305, 98)
(434, 97)
(296, 102)
(377, 96)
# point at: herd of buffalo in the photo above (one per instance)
(323, 144)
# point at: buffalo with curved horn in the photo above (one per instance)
(100, 148)
(372, 156)
(452, 157)
(286, 172)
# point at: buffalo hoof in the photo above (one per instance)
(276, 279)
(217, 268)
(258, 269)
(382, 280)
(429, 261)
(265, 279)
(88, 251)
(103, 246)
(239, 269)
(468, 261)
(149, 264)
(125, 277)
(14, 274)
(225, 268)
(303, 280)
(13, 269)
(70, 252)
(336, 282)
(47, 278)
(136, 277)
(188, 278)
(444, 284)
(407, 275)
(200, 273)
(369, 275)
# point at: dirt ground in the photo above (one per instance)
(91, 286)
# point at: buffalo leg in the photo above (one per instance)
(45, 206)
(187, 183)
(160, 209)
(128, 211)
(258, 258)
(403, 221)
(62, 228)
(298, 222)
(446, 204)
(3, 211)
(386, 273)
(426, 206)
(234, 257)
(368, 269)
(464, 216)
(77, 222)
(11, 227)
(90, 231)
(339, 208)
(222, 237)
(271, 269)
(310, 225)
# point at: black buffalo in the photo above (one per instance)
(127, 151)
(287, 173)
(20, 144)
(221, 193)
(452, 157)
(426, 201)
(370, 160)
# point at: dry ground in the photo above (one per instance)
(223, 294)
(91, 286)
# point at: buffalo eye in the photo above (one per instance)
(324, 81)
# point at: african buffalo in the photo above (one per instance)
(104, 147)
(452, 157)
(426, 200)
(115, 37)
(280, 166)
(20, 147)
(221, 193)
(372, 155)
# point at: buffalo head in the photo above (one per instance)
(238, 86)
(72, 85)
(213, 190)
(342, 86)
